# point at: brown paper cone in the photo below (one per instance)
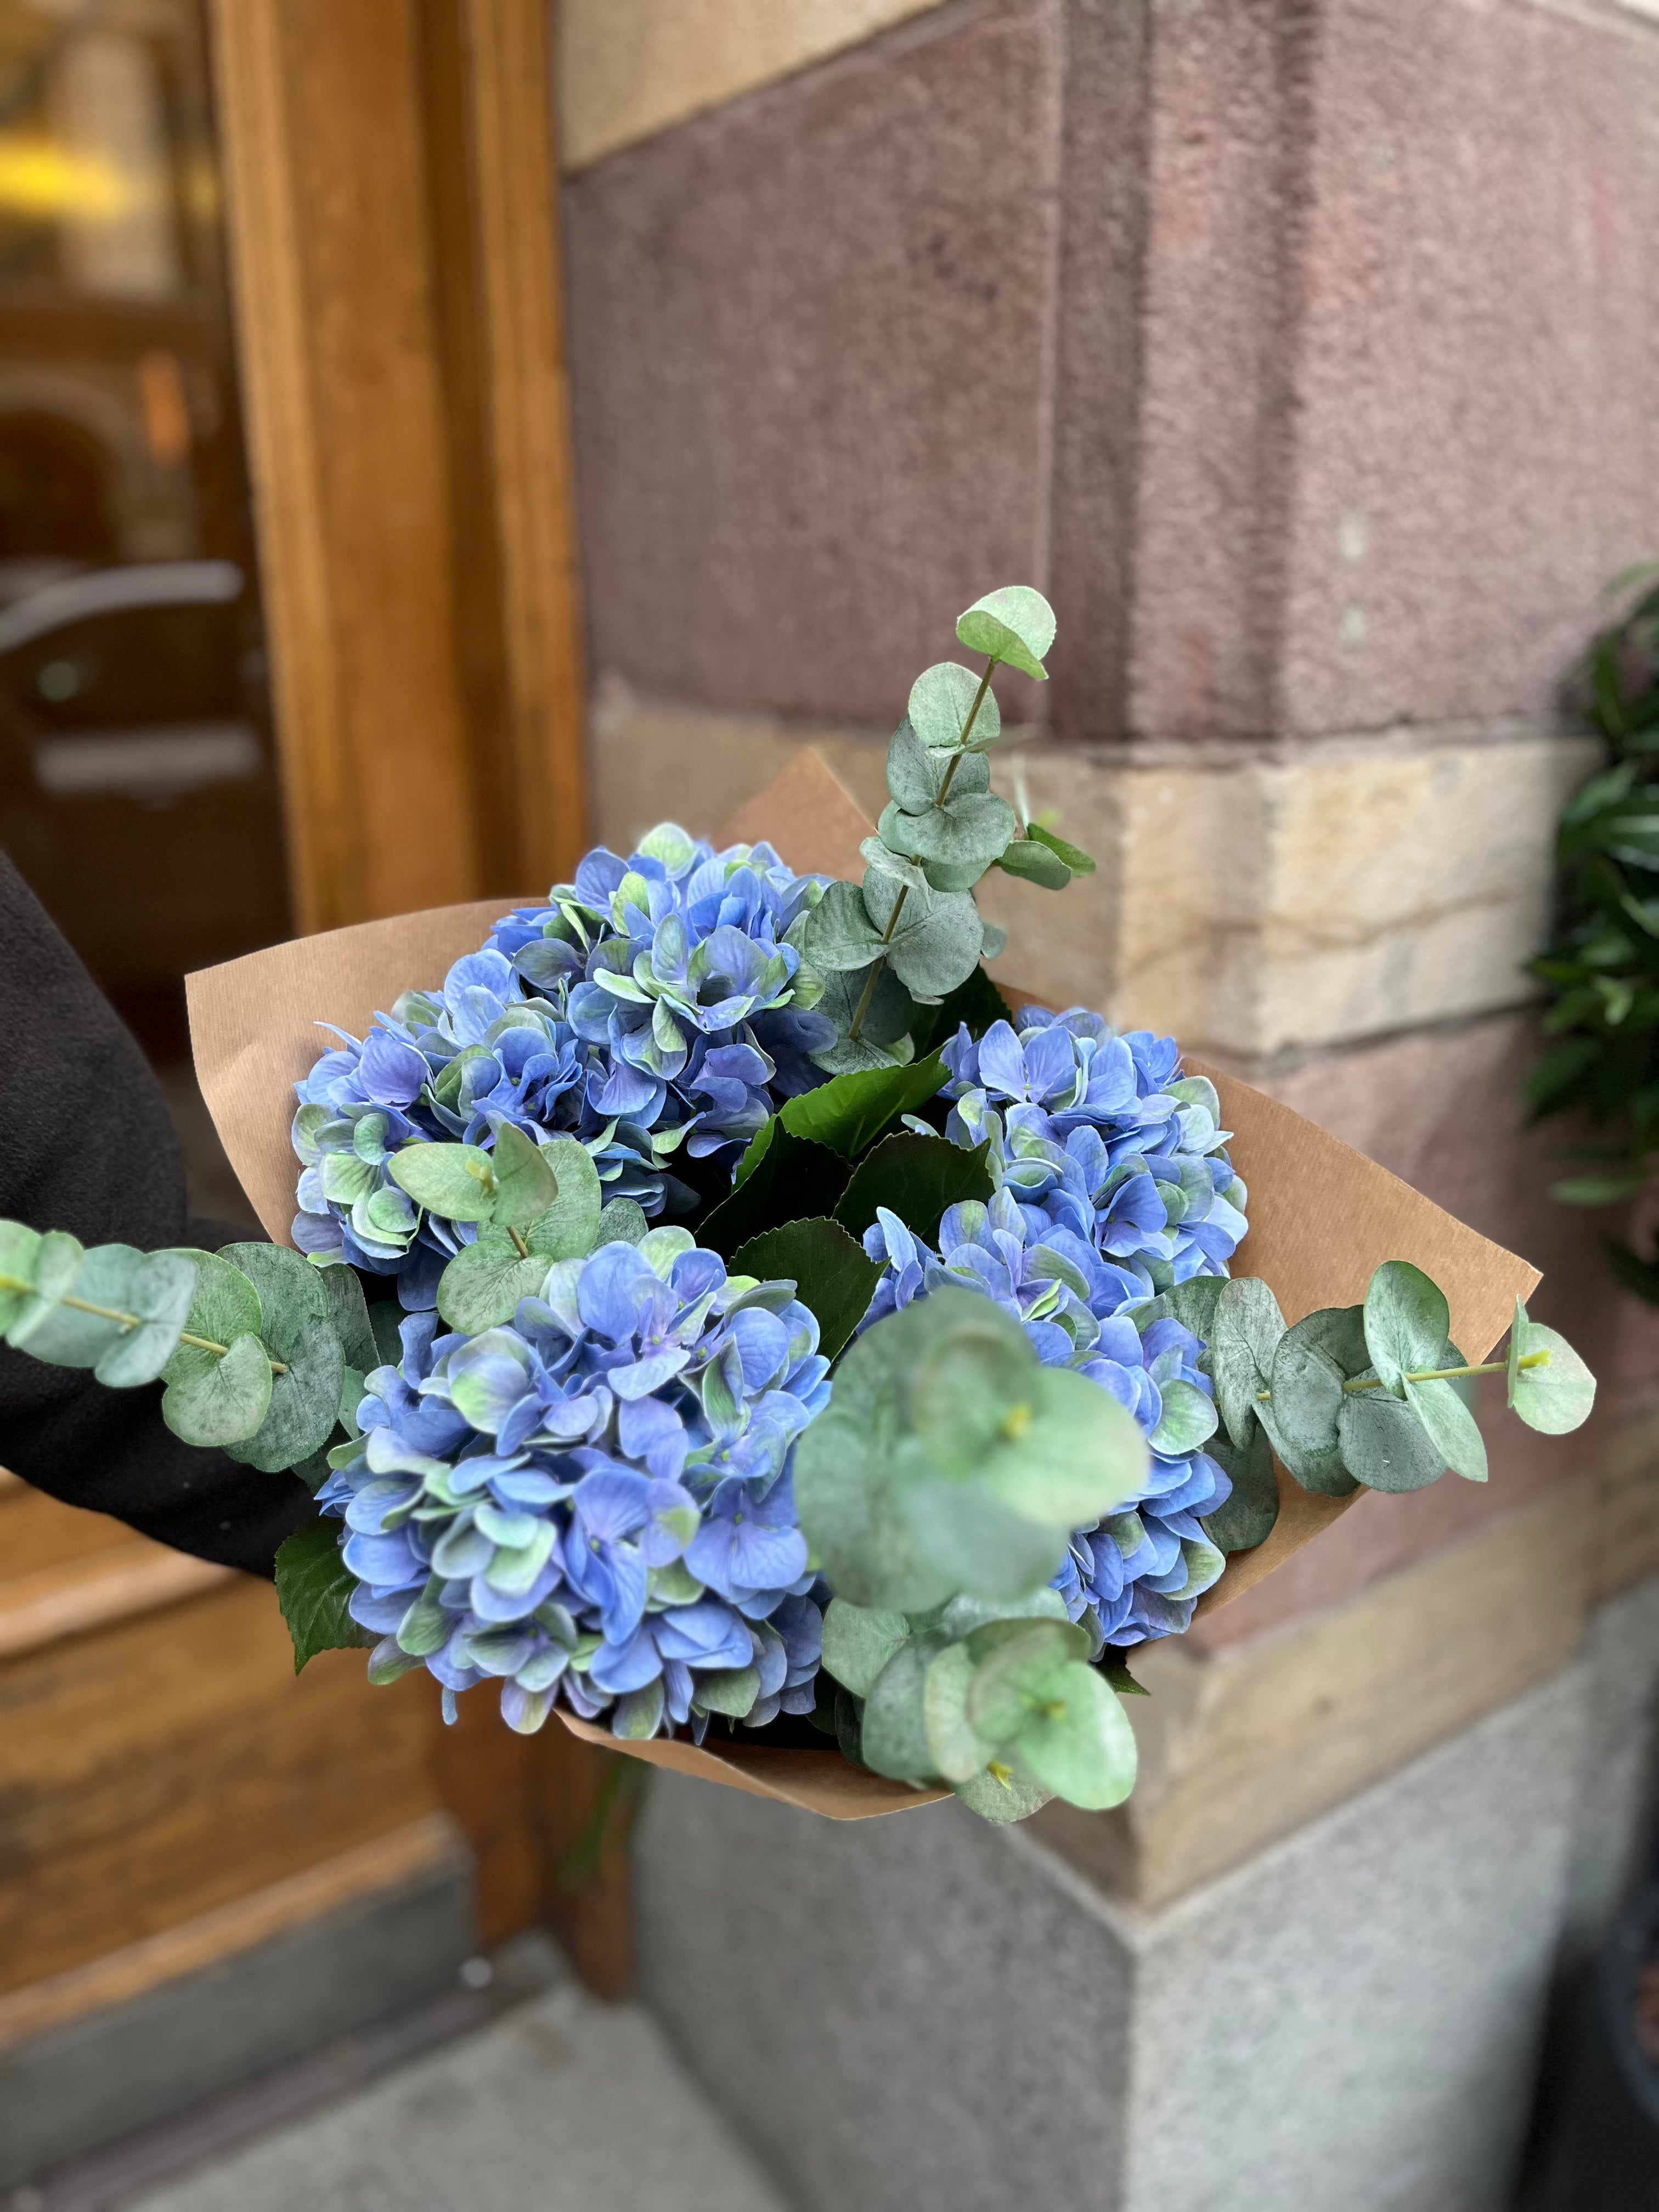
(1322, 1216)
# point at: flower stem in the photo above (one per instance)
(130, 1320)
(957, 759)
(1437, 1374)
(518, 1244)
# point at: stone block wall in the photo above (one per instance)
(1304, 352)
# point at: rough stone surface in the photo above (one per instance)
(567, 2105)
(921, 2010)
(1476, 446)
(810, 365)
(1614, 1845)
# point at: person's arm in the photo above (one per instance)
(86, 1145)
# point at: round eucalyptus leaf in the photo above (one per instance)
(570, 1227)
(1406, 1323)
(1248, 1517)
(886, 860)
(1015, 1665)
(160, 1291)
(1384, 1445)
(966, 1613)
(967, 830)
(1015, 624)
(1035, 864)
(889, 1014)
(939, 948)
(969, 1385)
(910, 776)
(225, 1306)
(1081, 1745)
(63, 1335)
(1555, 1398)
(1322, 1473)
(481, 1285)
(1306, 1388)
(18, 1248)
(1079, 1454)
(942, 699)
(1002, 1795)
(894, 1729)
(1450, 1427)
(290, 1290)
(841, 931)
(1079, 862)
(454, 1181)
(523, 1178)
(859, 1641)
(967, 1539)
(955, 1750)
(305, 1402)
(1245, 1334)
(224, 1400)
(57, 1263)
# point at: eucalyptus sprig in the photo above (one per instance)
(910, 933)
(260, 1353)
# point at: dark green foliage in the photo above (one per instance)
(313, 1588)
(915, 1177)
(1602, 965)
(827, 1267)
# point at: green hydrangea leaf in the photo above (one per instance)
(159, 1290)
(795, 1177)
(224, 1400)
(1384, 1445)
(859, 1641)
(313, 1588)
(1075, 857)
(1118, 1677)
(1245, 1331)
(1034, 863)
(1015, 624)
(1080, 1745)
(1553, 1398)
(850, 1112)
(1248, 1517)
(839, 931)
(454, 1181)
(829, 1268)
(915, 1177)
(942, 699)
(525, 1187)
(1406, 1323)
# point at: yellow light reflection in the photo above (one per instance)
(38, 177)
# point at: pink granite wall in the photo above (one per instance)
(1304, 349)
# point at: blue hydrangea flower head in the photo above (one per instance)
(595, 1501)
(654, 1003)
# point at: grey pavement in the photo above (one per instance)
(563, 2105)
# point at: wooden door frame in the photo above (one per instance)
(391, 187)
(391, 202)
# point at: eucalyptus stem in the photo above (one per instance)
(1439, 1374)
(130, 1320)
(957, 759)
(518, 1244)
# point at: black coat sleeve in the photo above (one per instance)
(86, 1145)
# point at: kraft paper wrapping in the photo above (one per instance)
(1322, 1216)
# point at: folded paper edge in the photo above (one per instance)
(855, 1793)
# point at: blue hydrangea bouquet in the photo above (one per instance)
(715, 1313)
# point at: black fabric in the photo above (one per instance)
(86, 1145)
